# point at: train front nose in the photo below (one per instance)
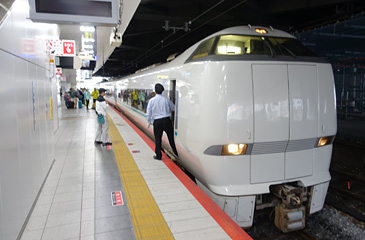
(286, 121)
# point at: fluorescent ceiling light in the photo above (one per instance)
(87, 29)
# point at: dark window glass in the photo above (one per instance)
(290, 46)
(203, 49)
(72, 7)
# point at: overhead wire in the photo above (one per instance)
(205, 23)
(216, 5)
(168, 36)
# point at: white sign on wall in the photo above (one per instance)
(58, 71)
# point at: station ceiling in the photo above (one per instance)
(146, 40)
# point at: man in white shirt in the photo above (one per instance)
(159, 109)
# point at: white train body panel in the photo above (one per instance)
(278, 108)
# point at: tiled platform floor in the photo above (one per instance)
(75, 202)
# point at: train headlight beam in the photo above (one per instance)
(234, 149)
(323, 141)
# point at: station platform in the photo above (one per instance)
(158, 200)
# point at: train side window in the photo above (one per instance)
(203, 49)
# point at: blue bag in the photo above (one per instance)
(101, 119)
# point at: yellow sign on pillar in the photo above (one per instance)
(51, 108)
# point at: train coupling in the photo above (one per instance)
(290, 214)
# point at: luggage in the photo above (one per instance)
(70, 105)
(80, 103)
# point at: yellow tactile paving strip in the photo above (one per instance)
(76, 118)
(147, 219)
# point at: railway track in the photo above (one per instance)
(304, 235)
(264, 228)
(348, 184)
(347, 193)
(296, 235)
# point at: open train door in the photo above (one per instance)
(173, 98)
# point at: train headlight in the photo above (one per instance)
(260, 30)
(234, 149)
(323, 141)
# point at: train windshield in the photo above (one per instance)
(258, 45)
(204, 49)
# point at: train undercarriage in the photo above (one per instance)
(292, 202)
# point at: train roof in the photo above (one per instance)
(239, 30)
(246, 30)
(251, 30)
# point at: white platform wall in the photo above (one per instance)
(27, 131)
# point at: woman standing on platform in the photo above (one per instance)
(102, 135)
(87, 97)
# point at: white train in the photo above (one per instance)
(254, 123)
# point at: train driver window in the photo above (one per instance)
(240, 45)
(290, 46)
(231, 45)
(203, 49)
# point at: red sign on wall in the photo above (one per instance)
(59, 47)
(68, 48)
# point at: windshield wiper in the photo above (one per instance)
(285, 48)
(290, 52)
(270, 47)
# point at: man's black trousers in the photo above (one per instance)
(159, 126)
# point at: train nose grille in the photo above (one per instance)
(269, 147)
(299, 145)
(283, 146)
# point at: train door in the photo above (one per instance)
(271, 126)
(173, 98)
(115, 91)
